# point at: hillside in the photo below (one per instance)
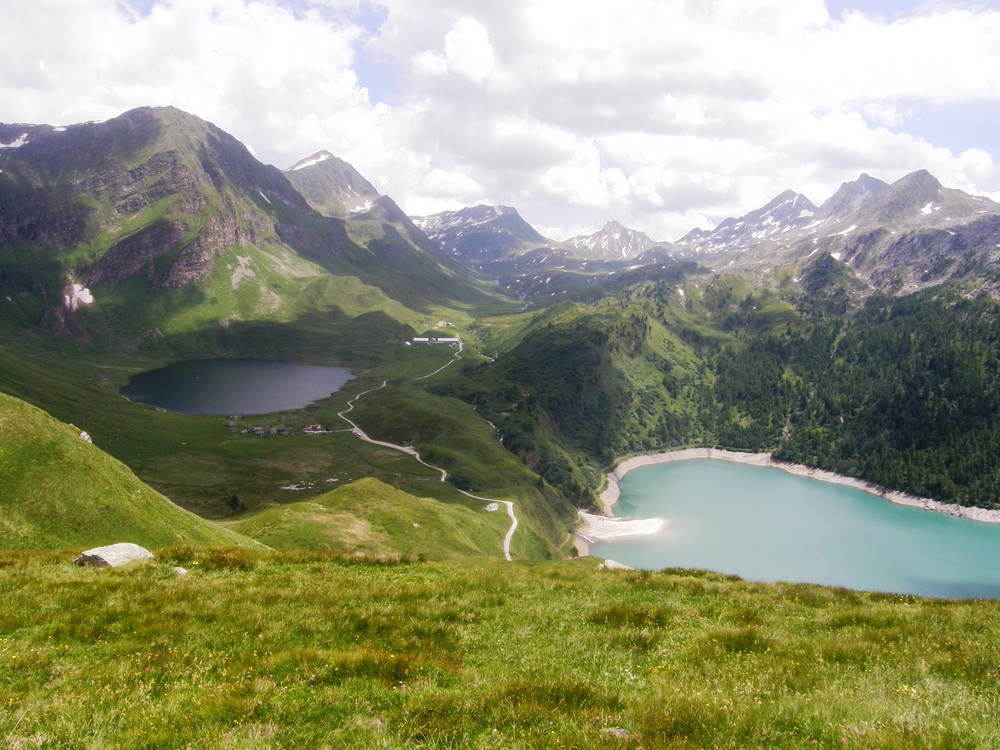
(292, 650)
(58, 491)
(372, 518)
(157, 226)
(903, 392)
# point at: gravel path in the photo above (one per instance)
(411, 451)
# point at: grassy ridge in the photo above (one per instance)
(372, 518)
(58, 491)
(284, 650)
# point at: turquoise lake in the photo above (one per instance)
(234, 386)
(765, 525)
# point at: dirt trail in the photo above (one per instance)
(410, 451)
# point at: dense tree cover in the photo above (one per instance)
(905, 392)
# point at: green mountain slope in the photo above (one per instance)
(371, 517)
(903, 392)
(157, 224)
(57, 491)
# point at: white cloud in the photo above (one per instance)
(663, 115)
(468, 51)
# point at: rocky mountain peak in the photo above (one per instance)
(480, 233)
(784, 213)
(911, 194)
(331, 186)
(311, 160)
(613, 241)
(850, 196)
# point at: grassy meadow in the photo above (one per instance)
(292, 650)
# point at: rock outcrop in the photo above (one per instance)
(113, 555)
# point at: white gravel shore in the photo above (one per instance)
(603, 528)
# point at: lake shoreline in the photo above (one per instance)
(591, 530)
(610, 496)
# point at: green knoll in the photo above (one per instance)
(58, 491)
(372, 518)
(290, 650)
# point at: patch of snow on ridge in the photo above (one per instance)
(20, 141)
(310, 162)
(927, 209)
(78, 295)
(363, 207)
(846, 231)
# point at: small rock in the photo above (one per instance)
(416, 525)
(180, 571)
(618, 733)
(113, 555)
(612, 565)
(85, 437)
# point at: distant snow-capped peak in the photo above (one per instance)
(309, 161)
(613, 241)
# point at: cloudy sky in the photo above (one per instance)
(664, 114)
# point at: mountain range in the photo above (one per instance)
(901, 237)
(157, 200)
(157, 234)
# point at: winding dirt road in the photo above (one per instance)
(410, 451)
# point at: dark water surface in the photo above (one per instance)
(763, 524)
(234, 386)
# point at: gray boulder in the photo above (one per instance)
(113, 555)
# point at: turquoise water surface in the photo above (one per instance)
(229, 386)
(763, 524)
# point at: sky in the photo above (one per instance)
(662, 114)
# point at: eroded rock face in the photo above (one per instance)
(113, 555)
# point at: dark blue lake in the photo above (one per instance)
(234, 386)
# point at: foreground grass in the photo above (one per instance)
(284, 650)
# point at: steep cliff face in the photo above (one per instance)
(155, 192)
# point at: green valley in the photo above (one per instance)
(349, 586)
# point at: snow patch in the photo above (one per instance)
(836, 256)
(78, 295)
(17, 143)
(310, 162)
(846, 231)
(362, 207)
(264, 196)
